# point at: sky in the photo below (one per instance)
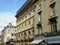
(8, 9)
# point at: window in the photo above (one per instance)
(52, 9)
(19, 26)
(53, 22)
(39, 6)
(15, 44)
(33, 21)
(39, 13)
(33, 32)
(25, 16)
(25, 43)
(29, 13)
(33, 10)
(19, 34)
(39, 30)
(29, 22)
(29, 32)
(21, 44)
(54, 27)
(25, 23)
(12, 34)
(22, 24)
(40, 26)
(22, 18)
(34, 6)
(15, 30)
(25, 33)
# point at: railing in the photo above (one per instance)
(52, 34)
(27, 40)
(39, 34)
(48, 34)
(53, 16)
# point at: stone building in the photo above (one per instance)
(8, 33)
(0, 40)
(38, 22)
(2, 37)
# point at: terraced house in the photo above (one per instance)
(38, 23)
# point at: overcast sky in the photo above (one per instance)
(8, 9)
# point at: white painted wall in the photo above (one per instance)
(8, 32)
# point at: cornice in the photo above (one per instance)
(25, 7)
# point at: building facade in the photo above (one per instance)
(38, 20)
(25, 24)
(2, 37)
(0, 40)
(8, 33)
